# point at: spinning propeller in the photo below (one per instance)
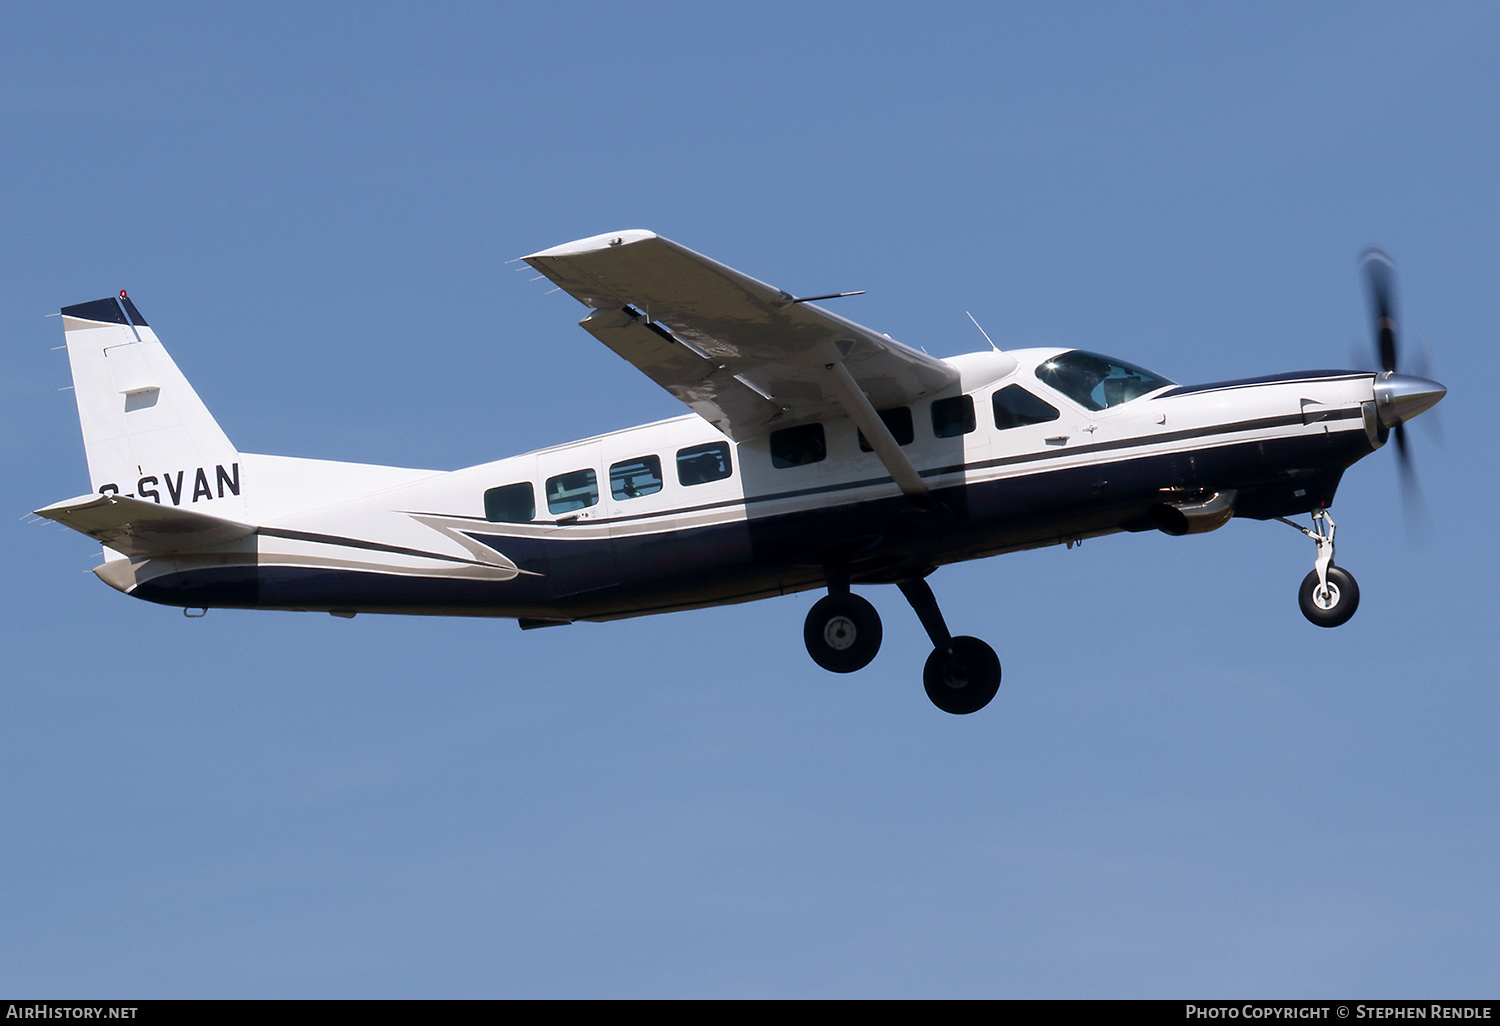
(1398, 397)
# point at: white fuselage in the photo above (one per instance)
(350, 538)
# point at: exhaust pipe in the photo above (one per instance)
(1179, 518)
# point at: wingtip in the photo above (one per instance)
(88, 501)
(594, 244)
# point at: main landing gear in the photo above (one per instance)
(843, 633)
(1328, 595)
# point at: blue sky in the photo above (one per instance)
(1183, 789)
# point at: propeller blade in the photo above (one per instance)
(1406, 394)
(1421, 361)
(1380, 275)
(1413, 503)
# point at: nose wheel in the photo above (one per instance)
(1329, 594)
(1332, 603)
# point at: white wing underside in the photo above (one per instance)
(741, 354)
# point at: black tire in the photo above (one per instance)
(1340, 603)
(962, 676)
(842, 633)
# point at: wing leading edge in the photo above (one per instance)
(745, 356)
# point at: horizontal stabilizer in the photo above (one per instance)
(140, 528)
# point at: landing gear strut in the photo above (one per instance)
(962, 674)
(842, 633)
(1328, 595)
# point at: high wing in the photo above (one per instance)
(743, 355)
(136, 527)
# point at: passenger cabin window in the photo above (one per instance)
(1016, 407)
(1096, 382)
(897, 422)
(953, 417)
(700, 464)
(510, 504)
(569, 492)
(798, 446)
(631, 479)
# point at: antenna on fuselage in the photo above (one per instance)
(984, 333)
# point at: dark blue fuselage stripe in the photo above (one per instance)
(604, 578)
(1265, 379)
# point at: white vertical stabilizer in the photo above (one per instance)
(145, 431)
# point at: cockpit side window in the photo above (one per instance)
(1016, 407)
(1097, 382)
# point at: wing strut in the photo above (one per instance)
(847, 393)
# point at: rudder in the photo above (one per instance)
(146, 433)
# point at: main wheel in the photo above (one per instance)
(1336, 605)
(962, 676)
(842, 633)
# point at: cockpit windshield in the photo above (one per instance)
(1097, 382)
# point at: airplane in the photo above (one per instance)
(818, 455)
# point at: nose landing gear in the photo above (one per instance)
(1329, 594)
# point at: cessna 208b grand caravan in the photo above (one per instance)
(818, 455)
